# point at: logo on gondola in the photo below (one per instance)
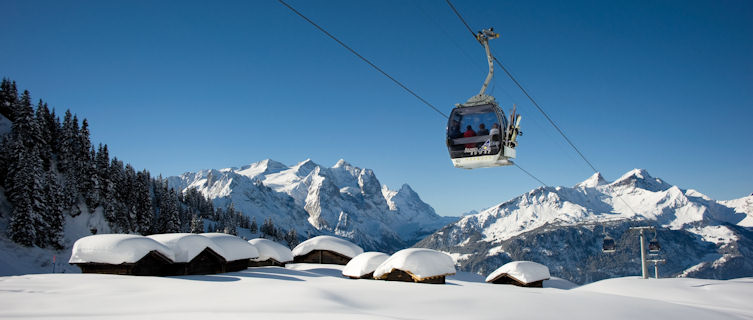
(486, 148)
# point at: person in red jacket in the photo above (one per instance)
(469, 133)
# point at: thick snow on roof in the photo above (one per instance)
(523, 271)
(234, 248)
(270, 249)
(186, 246)
(421, 263)
(330, 243)
(364, 264)
(115, 249)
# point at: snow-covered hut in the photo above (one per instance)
(237, 252)
(122, 254)
(520, 273)
(416, 265)
(194, 254)
(325, 249)
(363, 265)
(270, 253)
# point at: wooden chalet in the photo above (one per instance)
(206, 262)
(153, 263)
(520, 273)
(507, 279)
(406, 276)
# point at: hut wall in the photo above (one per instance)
(152, 264)
(266, 263)
(505, 279)
(400, 275)
(206, 262)
(322, 256)
(236, 265)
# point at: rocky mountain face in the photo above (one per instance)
(343, 200)
(563, 228)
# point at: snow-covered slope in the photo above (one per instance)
(343, 200)
(320, 292)
(742, 205)
(562, 228)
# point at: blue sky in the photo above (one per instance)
(180, 86)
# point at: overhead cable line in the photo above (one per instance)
(364, 59)
(383, 72)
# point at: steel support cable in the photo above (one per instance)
(385, 73)
(363, 58)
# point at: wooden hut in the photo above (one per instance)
(194, 254)
(363, 265)
(237, 252)
(325, 250)
(520, 273)
(416, 265)
(271, 254)
(122, 254)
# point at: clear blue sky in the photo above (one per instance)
(180, 86)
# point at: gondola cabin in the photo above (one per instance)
(653, 246)
(608, 246)
(478, 132)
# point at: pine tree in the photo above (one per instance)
(253, 227)
(291, 238)
(54, 213)
(197, 224)
(144, 210)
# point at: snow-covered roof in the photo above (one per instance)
(270, 249)
(341, 246)
(523, 271)
(364, 264)
(419, 263)
(186, 246)
(116, 249)
(234, 248)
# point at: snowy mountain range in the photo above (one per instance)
(563, 228)
(343, 200)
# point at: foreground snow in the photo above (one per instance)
(320, 292)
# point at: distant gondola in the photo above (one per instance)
(608, 246)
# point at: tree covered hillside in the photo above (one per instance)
(49, 169)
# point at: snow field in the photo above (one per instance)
(319, 292)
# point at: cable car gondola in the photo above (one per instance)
(608, 246)
(478, 132)
(653, 245)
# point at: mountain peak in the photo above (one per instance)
(592, 182)
(342, 163)
(640, 178)
(305, 167)
(405, 188)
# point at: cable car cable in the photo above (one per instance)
(364, 59)
(385, 73)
